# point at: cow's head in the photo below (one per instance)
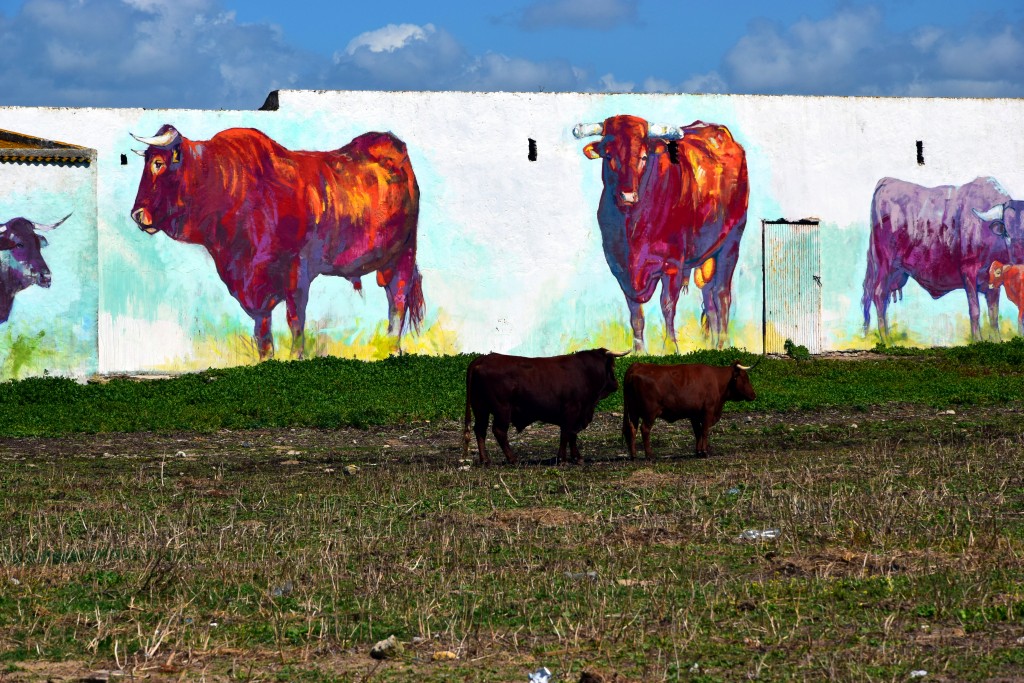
(1007, 221)
(159, 204)
(21, 251)
(625, 144)
(609, 383)
(740, 388)
(995, 275)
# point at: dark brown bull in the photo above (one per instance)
(561, 390)
(673, 392)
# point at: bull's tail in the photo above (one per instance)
(414, 300)
(468, 414)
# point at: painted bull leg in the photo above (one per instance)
(262, 335)
(992, 299)
(973, 306)
(636, 321)
(671, 285)
(717, 292)
(403, 285)
(295, 305)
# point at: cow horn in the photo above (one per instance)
(140, 152)
(586, 130)
(665, 131)
(39, 227)
(617, 355)
(744, 367)
(993, 214)
(169, 137)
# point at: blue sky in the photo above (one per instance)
(231, 53)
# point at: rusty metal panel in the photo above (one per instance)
(791, 253)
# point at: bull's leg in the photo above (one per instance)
(402, 283)
(671, 285)
(629, 433)
(697, 431)
(973, 306)
(992, 299)
(262, 335)
(636, 321)
(500, 430)
(645, 432)
(574, 449)
(295, 305)
(480, 430)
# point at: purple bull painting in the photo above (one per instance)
(945, 238)
(21, 259)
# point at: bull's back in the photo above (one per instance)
(718, 165)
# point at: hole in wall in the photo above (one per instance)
(124, 159)
(920, 152)
(532, 153)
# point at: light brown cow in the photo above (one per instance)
(1012, 278)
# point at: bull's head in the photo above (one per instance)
(740, 388)
(158, 203)
(1007, 221)
(625, 144)
(21, 246)
(611, 384)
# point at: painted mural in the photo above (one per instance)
(21, 259)
(674, 202)
(945, 238)
(274, 219)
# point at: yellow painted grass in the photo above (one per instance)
(617, 335)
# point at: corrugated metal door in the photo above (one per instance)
(791, 252)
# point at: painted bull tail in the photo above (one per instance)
(414, 303)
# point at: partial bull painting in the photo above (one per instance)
(274, 219)
(674, 203)
(946, 238)
(21, 259)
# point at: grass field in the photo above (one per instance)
(240, 549)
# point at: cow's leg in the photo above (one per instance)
(636, 321)
(500, 431)
(697, 431)
(629, 433)
(404, 289)
(295, 305)
(706, 421)
(262, 335)
(992, 299)
(574, 449)
(645, 432)
(671, 285)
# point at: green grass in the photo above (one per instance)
(333, 392)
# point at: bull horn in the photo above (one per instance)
(993, 214)
(140, 152)
(744, 367)
(665, 131)
(169, 137)
(39, 227)
(586, 130)
(617, 355)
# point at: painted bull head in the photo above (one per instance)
(625, 144)
(158, 204)
(20, 251)
(1007, 221)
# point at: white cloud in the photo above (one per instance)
(390, 38)
(609, 83)
(590, 14)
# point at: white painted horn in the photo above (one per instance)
(168, 138)
(664, 130)
(587, 130)
(993, 214)
(39, 227)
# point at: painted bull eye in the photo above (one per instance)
(999, 271)
(157, 166)
(643, 162)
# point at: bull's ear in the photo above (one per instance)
(42, 241)
(590, 151)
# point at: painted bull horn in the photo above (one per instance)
(586, 130)
(665, 131)
(169, 137)
(617, 355)
(39, 227)
(140, 152)
(993, 214)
